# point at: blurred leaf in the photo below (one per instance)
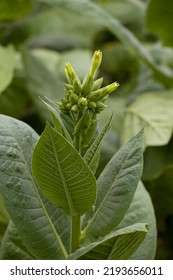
(156, 159)
(7, 63)
(154, 110)
(161, 191)
(141, 210)
(99, 17)
(14, 100)
(41, 82)
(159, 19)
(14, 9)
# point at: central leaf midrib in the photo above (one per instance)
(68, 196)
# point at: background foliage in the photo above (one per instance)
(36, 39)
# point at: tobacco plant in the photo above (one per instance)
(58, 208)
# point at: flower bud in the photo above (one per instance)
(96, 60)
(97, 84)
(92, 105)
(74, 108)
(73, 98)
(77, 86)
(87, 85)
(82, 102)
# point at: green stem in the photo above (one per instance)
(77, 143)
(75, 234)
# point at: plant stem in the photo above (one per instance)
(77, 143)
(75, 233)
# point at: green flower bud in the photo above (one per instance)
(74, 108)
(92, 105)
(77, 86)
(100, 105)
(96, 60)
(97, 83)
(68, 87)
(64, 101)
(68, 106)
(82, 102)
(73, 98)
(87, 85)
(100, 94)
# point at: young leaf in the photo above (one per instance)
(116, 187)
(62, 173)
(44, 229)
(12, 246)
(91, 156)
(119, 245)
(57, 121)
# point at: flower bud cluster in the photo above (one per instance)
(86, 95)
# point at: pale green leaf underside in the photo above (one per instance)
(116, 187)
(141, 210)
(62, 174)
(12, 246)
(38, 222)
(119, 245)
(154, 111)
(7, 63)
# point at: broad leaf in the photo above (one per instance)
(159, 19)
(14, 9)
(119, 245)
(62, 174)
(116, 187)
(43, 227)
(7, 63)
(12, 246)
(141, 211)
(154, 111)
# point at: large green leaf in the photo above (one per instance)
(98, 16)
(116, 187)
(141, 211)
(119, 245)
(154, 110)
(12, 246)
(43, 227)
(7, 63)
(159, 19)
(62, 174)
(14, 9)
